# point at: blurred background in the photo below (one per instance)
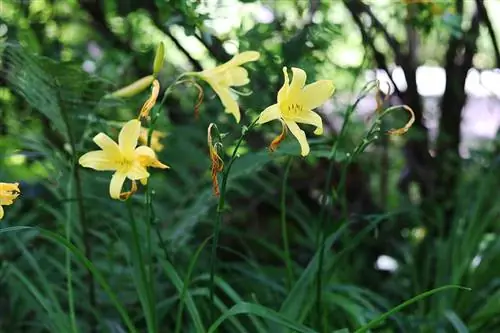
(409, 214)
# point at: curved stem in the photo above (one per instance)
(284, 229)
(320, 235)
(218, 218)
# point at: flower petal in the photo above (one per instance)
(137, 171)
(311, 118)
(283, 92)
(317, 93)
(1, 212)
(107, 144)
(242, 58)
(147, 158)
(98, 160)
(270, 113)
(299, 135)
(227, 100)
(238, 76)
(129, 135)
(115, 187)
(298, 81)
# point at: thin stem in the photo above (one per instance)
(85, 232)
(284, 229)
(320, 236)
(69, 276)
(151, 278)
(218, 218)
(171, 87)
(142, 270)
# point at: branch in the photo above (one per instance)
(215, 48)
(195, 63)
(483, 13)
(378, 56)
(362, 7)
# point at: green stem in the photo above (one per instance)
(69, 276)
(86, 235)
(284, 229)
(144, 290)
(171, 87)
(151, 279)
(218, 218)
(320, 235)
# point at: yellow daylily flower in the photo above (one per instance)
(227, 75)
(156, 136)
(123, 157)
(295, 103)
(8, 193)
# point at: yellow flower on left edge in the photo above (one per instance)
(8, 193)
(227, 75)
(123, 157)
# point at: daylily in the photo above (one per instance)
(156, 136)
(8, 193)
(295, 103)
(227, 75)
(123, 157)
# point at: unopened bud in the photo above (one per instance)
(134, 88)
(158, 61)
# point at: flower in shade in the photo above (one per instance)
(156, 137)
(295, 103)
(227, 75)
(124, 158)
(8, 193)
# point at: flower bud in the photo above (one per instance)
(134, 88)
(158, 61)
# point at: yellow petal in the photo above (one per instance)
(298, 82)
(299, 135)
(137, 171)
(108, 145)
(317, 93)
(8, 193)
(270, 113)
(228, 101)
(238, 76)
(1, 212)
(144, 181)
(242, 58)
(129, 135)
(7, 201)
(283, 92)
(311, 118)
(115, 187)
(98, 160)
(147, 158)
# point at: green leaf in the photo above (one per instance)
(261, 311)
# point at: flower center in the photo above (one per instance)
(125, 164)
(292, 109)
